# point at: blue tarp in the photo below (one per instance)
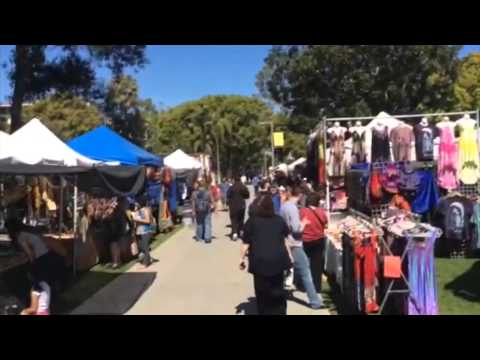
(104, 144)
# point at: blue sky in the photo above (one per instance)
(180, 73)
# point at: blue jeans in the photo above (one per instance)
(204, 228)
(302, 268)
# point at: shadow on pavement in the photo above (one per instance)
(247, 308)
(467, 285)
(120, 295)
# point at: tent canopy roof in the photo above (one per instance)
(35, 144)
(178, 160)
(104, 144)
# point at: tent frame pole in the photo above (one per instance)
(75, 224)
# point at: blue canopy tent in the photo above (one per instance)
(106, 145)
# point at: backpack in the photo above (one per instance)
(202, 202)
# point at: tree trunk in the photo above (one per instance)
(20, 72)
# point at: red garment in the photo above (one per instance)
(316, 229)
(366, 265)
(215, 192)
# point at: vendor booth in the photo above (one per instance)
(400, 190)
(44, 183)
(181, 162)
(104, 144)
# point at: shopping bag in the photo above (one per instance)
(134, 248)
(392, 267)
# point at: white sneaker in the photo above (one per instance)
(234, 237)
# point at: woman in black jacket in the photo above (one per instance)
(264, 243)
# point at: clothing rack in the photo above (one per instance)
(323, 126)
(387, 248)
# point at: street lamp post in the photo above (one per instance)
(271, 139)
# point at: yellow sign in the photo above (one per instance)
(278, 139)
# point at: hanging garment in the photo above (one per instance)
(365, 266)
(468, 157)
(380, 145)
(359, 154)
(376, 186)
(409, 179)
(322, 167)
(423, 299)
(337, 163)
(402, 138)
(476, 222)
(424, 137)
(399, 202)
(455, 214)
(427, 195)
(447, 162)
(390, 178)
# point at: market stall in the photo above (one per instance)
(104, 144)
(414, 180)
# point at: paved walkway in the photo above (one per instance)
(191, 278)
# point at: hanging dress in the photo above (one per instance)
(423, 299)
(359, 154)
(337, 164)
(468, 158)
(380, 145)
(447, 159)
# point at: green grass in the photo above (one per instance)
(458, 282)
(89, 283)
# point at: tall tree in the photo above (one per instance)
(34, 76)
(467, 86)
(230, 124)
(67, 117)
(125, 109)
(343, 80)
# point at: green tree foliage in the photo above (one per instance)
(467, 86)
(229, 123)
(34, 76)
(313, 81)
(125, 110)
(67, 117)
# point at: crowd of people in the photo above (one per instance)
(282, 239)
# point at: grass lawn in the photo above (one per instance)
(86, 285)
(458, 282)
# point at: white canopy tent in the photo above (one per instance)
(293, 165)
(35, 144)
(4, 137)
(179, 161)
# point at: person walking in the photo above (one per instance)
(314, 237)
(263, 190)
(236, 197)
(256, 184)
(144, 230)
(224, 186)
(264, 242)
(203, 207)
(291, 214)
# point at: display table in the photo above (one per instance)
(12, 261)
(61, 244)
